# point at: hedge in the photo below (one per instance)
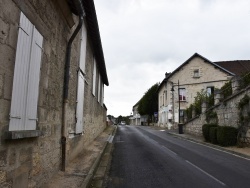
(226, 135)
(213, 135)
(205, 130)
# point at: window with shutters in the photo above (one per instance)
(23, 112)
(81, 82)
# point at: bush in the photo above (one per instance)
(205, 130)
(226, 136)
(213, 135)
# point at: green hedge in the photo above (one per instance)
(213, 135)
(226, 136)
(205, 130)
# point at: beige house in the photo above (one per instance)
(52, 77)
(194, 75)
(136, 118)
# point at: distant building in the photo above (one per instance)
(194, 75)
(136, 118)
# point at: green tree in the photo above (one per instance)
(149, 102)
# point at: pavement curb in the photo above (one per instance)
(95, 165)
(211, 145)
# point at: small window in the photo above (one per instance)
(210, 91)
(196, 73)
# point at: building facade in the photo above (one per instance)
(179, 88)
(52, 77)
(136, 118)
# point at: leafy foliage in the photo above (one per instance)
(149, 102)
(213, 135)
(226, 89)
(189, 112)
(226, 135)
(211, 116)
(201, 97)
(205, 130)
(244, 80)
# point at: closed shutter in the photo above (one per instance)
(102, 99)
(94, 79)
(99, 88)
(19, 91)
(33, 81)
(83, 49)
(80, 103)
(26, 77)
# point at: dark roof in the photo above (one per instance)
(237, 67)
(93, 31)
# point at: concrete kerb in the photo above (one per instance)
(95, 165)
(182, 136)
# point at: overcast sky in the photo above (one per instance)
(143, 39)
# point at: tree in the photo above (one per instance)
(149, 102)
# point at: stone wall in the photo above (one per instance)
(227, 112)
(30, 162)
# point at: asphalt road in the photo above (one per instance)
(144, 157)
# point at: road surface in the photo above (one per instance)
(145, 157)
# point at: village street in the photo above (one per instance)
(146, 157)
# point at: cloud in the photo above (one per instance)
(143, 39)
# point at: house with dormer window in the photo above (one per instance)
(179, 88)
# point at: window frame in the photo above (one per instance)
(182, 95)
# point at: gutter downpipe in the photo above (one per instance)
(66, 84)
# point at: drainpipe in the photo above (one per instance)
(66, 82)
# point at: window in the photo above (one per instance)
(210, 91)
(23, 112)
(182, 94)
(196, 73)
(81, 82)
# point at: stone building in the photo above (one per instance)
(52, 77)
(195, 74)
(136, 118)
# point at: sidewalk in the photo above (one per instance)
(243, 152)
(80, 171)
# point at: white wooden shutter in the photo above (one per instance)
(99, 88)
(80, 103)
(102, 99)
(94, 79)
(23, 113)
(19, 91)
(83, 48)
(33, 81)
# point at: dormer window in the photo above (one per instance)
(196, 73)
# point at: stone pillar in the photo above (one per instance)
(218, 97)
(203, 106)
(235, 84)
